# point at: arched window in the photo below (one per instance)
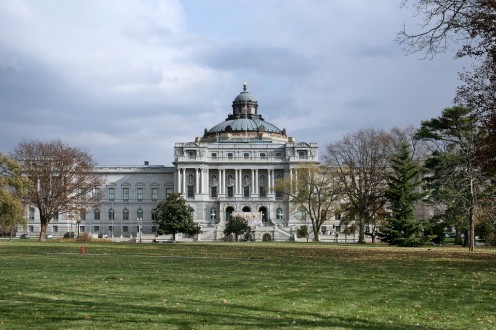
(31, 213)
(279, 214)
(191, 178)
(125, 214)
(246, 209)
(139, 214)
(229, 212)
(263, 180)
(111, 214)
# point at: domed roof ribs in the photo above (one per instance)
(244, 122)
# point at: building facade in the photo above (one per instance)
(231, 169)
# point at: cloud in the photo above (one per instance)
(129, 78)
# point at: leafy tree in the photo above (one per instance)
(174, 216)
(13, 187)
(236, 225)
(455, 180)
(61, 175)
(361, 161)
(401, 228)
(314, 189)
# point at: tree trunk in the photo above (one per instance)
(173, 237)
(316, 234)
(471, 230)
(44, 226)
(361, 230)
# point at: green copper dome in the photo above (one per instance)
(245, 119)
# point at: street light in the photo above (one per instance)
(140, 223)
(78, 223)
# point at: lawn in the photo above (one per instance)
(246, 285)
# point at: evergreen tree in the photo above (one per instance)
(456, 183)
(174, 216)
(401, 228)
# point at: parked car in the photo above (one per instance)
(25, 236)
(69, 234)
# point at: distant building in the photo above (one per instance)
(231, 169)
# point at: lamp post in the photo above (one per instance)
(140, 223)
(78, 223)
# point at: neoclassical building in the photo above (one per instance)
(230, 169)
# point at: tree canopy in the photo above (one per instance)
(469, 27)
(314, 189)
(13, 188)
(236, 225)
(174, 216)
(454, 178)
(361, 160)
(400, 227)
(62, 178)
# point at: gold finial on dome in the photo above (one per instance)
(245, 85)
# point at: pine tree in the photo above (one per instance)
(401, 228)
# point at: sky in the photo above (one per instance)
(127, 79)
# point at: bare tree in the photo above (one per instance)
(361, 161)
(62, 177)
(314, 189)
(467, 23)
(469, 26)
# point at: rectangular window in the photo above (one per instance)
(230, 192)
(96, 193)
(111, 194)
(191, 191)
(82, 215)
(96, 229)
(139, 194)
(31, 229)
(262, 192)
(96, 214)
(263, 155)
(56, 216)
(230, 155)
(278, 154)
(302, 154)
(154, 229)
(191, 154)
(168, 191)
(213, 192)
(125, 229)
(214, 155)
(55, 229)
(246, 192)
(82, 229)
(279, 194)
(125, 194)
(154, 194)
(246, 155)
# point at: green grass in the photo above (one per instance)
(247, 285)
